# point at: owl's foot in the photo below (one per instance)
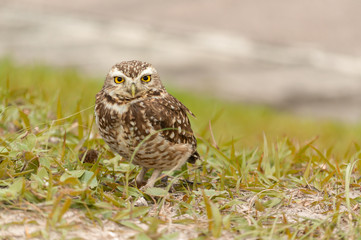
(152, 179)
(139, 180)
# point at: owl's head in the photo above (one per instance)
(132, 79)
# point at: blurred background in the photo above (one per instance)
(299, 56)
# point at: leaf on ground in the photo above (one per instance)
(170, 236)
(259, 206)
(89, 178)
(159, 192)
(217, 221)
(73, 173)
(13, 191)
(142, 236)
(132, 225)
(42, 173)
(25, 119)
(131, 213)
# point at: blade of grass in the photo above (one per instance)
(349, 169)
(65, 208)
(80, 121)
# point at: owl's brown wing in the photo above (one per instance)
(171, 115)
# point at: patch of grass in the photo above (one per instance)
(264, 174)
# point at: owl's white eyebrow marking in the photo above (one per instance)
(148, 71)
(116, 73)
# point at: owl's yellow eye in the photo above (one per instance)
(118, 79)
(146, 78)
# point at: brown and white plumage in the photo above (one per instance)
(137, 117)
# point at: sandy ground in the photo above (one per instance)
(303, 57)
(297, 207)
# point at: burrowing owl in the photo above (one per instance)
(142, 122)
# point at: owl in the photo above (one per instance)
(142, 122)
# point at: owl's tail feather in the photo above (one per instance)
(193, 158)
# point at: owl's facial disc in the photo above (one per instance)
(132, 84)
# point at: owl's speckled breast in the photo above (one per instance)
(107, 120)
(125, 129)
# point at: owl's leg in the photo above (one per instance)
(140, 178)
(153, 178)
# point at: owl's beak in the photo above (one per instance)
(133, 88)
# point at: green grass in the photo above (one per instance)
(265, 174)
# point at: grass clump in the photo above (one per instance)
(264, 174)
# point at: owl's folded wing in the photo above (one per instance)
(170, 117)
